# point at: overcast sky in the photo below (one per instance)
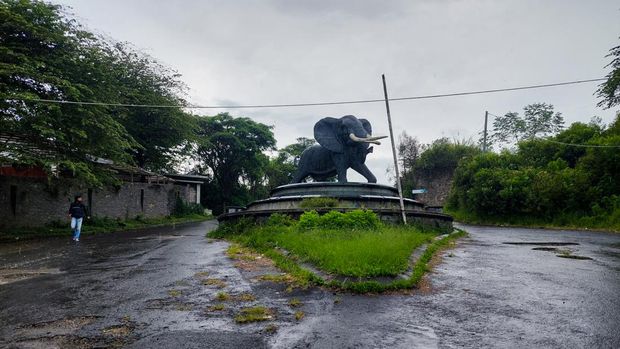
(272, 52)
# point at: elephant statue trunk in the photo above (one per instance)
(342, 144)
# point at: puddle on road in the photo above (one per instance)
(541, 243)
(562, 253)
(8, 276)
(572, 256)
(158, 237)
(548, 249)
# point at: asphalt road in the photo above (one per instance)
(159, 289)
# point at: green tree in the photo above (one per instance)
(45, 55)
(164, 134)
(539, 120)
(409, 150)
(609, 91)
(443, 156)
(231, 150)
(568, 179)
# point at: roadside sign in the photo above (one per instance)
(418, 191)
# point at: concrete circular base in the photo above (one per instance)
(381, 199)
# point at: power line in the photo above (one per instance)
(455, 94)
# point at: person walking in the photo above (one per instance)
(77, 211)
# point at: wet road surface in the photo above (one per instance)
(500, 288)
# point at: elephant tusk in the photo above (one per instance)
(355, 138)
(373, 140)
(376, 138)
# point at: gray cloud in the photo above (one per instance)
(268, 52)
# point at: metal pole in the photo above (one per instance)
(389, 117)
(484, 144)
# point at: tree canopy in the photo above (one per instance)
(441, 157)
(45, 54)
(231, 151)
(609, 91)
(538, 120)
(550, 180)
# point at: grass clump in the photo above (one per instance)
(235, 251)
(183, 307)
(278, 219)
(254, 314)
(271, 328)
(319, 202)
(214, 282)
(222, 296)
(277, 278)
(174, 293)
(201, 274)
(246, 297)
(299, 315)
(294, 303)
(216, 307)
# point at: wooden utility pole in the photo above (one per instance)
(389, 117)
(484, 142)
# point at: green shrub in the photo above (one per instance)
(309, 219)
(357, 219)
(239, 226)
(182, 208)
(278, 219)
(319, 202)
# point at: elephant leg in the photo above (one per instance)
(299, 176)
(364, 171)
(341, 167)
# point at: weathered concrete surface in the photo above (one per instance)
(147, 289)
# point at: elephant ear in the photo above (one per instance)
(367, 126)
(326, 133)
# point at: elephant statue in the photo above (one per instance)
(342, 144)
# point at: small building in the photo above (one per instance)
(189, 186)
(29, 198)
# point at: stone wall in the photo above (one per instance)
(438, 187)
(33, 202)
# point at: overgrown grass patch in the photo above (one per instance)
(333, 244)
(254, 314)
(344, 244)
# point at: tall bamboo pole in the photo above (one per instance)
(389, 117)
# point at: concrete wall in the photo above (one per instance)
(187, 192)
(36, 203)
